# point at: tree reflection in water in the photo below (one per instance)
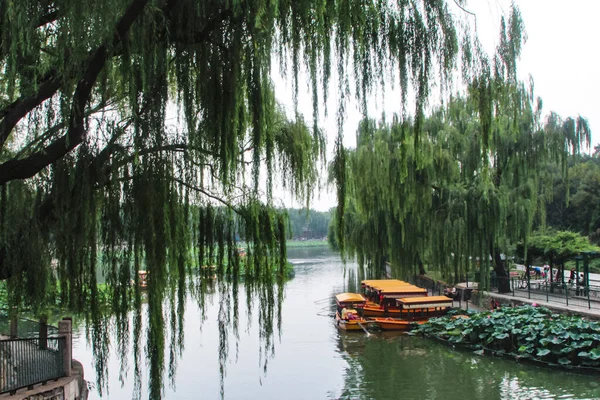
(151, 327)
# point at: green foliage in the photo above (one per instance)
(575, 200)
(555, 246)
(124, 123)
(309, 224)
(524, 333)
(460, 184)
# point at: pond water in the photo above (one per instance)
(310, 359)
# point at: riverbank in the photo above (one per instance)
(307, 243)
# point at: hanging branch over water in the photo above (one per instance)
(109, 191)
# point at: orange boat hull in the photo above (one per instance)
(392, 324)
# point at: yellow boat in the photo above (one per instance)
(387, 306)
(379, 282)
(423, 308)
(414, 310)
(358, 324)
(346, 316)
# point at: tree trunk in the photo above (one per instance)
(421, 266)
(501, 273)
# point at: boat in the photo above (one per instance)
(347, 315)
(423, 308)
(393, 324)
(413, 311)
(143, 279)
(386, 297)
(380, 282)
(209, 271)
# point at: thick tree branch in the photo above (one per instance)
(15, 111)
(51, 16)
(28, 167)
(202, 34)
(55, 129)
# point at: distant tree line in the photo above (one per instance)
(309, 224)
(578, 208)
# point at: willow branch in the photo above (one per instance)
(208, 194)
(28, 167)
(55, 129)
(468, 12)
(18, 109)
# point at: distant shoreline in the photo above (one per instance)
(307, 243)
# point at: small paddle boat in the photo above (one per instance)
(349, 308)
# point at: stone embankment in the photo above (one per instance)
(70, 387)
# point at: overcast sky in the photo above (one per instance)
(561, 54)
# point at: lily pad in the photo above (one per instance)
(564, 361)
(543, 352)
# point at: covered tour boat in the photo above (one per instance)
(414, 310)
(383, 303)
(423, 308)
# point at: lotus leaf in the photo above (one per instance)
(543, 352)
(595, 354)
(582, 344)
(564, 361)
(556, 340)
(525, 349)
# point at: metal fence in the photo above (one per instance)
(26, 328)
(26, 362)
(552, 292)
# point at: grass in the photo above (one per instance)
(307, 243)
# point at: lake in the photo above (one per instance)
(309, 359)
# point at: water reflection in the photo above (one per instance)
(228, 345)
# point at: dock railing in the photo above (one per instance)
(552, 292)
(25, 362)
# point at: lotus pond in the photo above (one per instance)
(524, 333)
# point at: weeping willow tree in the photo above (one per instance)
(461, 185)
(124, 123)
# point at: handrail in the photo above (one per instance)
(29, 361)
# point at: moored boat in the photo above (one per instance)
(423, 308)
(347, 314)
(412, 311)
(393, 324)
(143, 279)
(387, 296)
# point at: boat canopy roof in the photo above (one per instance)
(382, 282)
(424, 302)
(402, 289)
(350, 298)
(428, 299)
